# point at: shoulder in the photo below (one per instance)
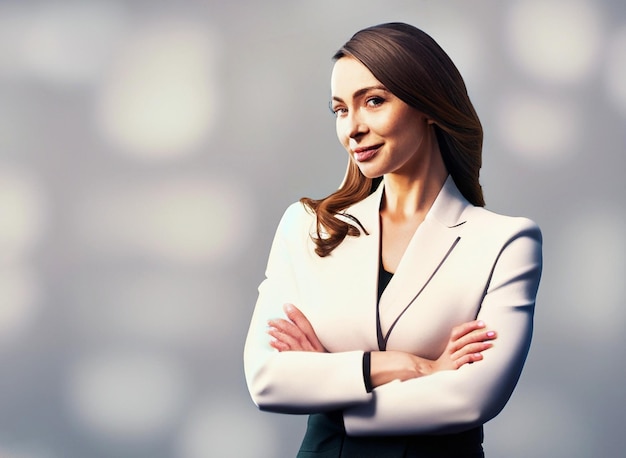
(297, 213)
(492, 224)
(298, 219)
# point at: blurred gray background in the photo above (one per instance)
(149, 148)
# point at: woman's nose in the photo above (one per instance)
(356, 125)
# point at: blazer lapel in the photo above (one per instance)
(427, 251)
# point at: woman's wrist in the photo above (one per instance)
(386, 366)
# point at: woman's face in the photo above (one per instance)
(381, 133)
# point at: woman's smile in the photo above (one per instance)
(365, 153)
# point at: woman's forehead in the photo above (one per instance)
(349, 75)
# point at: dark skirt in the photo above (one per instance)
(326, 438)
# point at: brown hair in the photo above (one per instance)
(409, 63)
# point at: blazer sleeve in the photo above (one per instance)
(452, 401)
(294, 381)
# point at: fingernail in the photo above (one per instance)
(481, 323)
(491, 334)
(288, 307)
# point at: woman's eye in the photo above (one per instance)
(339, 111)
(374, 101)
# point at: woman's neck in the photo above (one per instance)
(411, 197)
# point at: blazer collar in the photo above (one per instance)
(447, 209)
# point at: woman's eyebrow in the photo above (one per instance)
(362, 91)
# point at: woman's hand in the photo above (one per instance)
(466, 344)
(295, 333)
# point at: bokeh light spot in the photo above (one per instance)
(160, 99)
(538, 129)
(22, 212)
(555, 40)
(20, 293)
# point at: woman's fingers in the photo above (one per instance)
(289, 335)
(476, 336)
(465, 328)
(470, 334)
(283, 341)
(466, 359)
(278, 344)
(301, 321)
(473, 348)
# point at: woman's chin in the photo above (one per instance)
(369, 172)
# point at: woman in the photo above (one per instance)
(376, 297)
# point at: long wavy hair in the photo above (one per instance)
(413, 67)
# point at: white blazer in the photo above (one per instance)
(463, 262)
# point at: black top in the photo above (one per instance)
(384, 278)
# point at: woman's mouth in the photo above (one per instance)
(365, 153)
